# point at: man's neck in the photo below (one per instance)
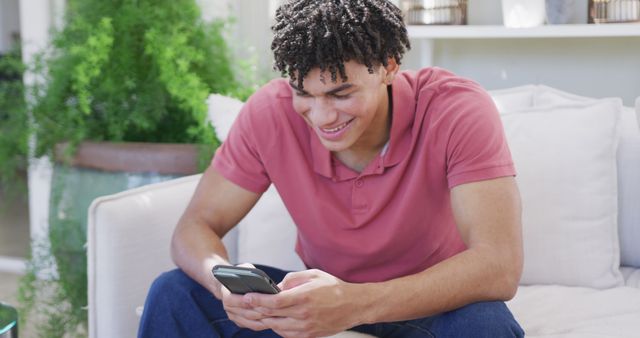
(358, 156)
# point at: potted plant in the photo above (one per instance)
(14, 127)
(119, 76)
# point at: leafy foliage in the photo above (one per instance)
(14, 126)
(132, 70)
(123, 71)
(44, 304)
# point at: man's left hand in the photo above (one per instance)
(313, 303)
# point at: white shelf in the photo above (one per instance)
(501, 32)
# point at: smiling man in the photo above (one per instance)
(400, 183)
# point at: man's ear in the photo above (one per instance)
(391, 70)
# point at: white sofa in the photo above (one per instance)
(579, 173)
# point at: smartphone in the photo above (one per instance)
(241, 280)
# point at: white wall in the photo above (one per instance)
(37, 17)
(9, 23)
(588, 66)
(597, 67)
(252, 34)
(212, 9)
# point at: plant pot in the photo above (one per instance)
(134, 157)
(8, 321)
(97, 169)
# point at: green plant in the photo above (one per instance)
(14, 126)
(132, 71)
(123, 71)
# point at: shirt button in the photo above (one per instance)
(359, 183)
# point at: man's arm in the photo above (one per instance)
(488, 215)
(216, 206)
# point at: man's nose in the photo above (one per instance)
(322, 113)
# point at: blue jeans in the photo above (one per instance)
(177, 306)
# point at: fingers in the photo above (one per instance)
(240, 312)
(294, 279)
(284, 312)
(245, 322)
(290, 296)
(297, 312)
(278, 301)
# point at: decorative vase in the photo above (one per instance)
(523, 13)
(559, 12)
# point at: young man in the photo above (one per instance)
(401, 186)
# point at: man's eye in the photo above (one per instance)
(342, 97)
(302, 94)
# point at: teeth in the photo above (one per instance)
(333, 130)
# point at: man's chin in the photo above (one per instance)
(334, 146)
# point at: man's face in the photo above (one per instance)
(345, 115)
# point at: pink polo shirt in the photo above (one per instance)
(394, 218)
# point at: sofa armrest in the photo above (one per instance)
(128, 245)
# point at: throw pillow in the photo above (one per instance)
(513, 98)
(566, 162)
(267, 234)
(548, 96)
(628, 163)
(223, 110)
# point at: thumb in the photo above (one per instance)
(295, 279)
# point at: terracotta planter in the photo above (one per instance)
(158, 158)
(98, 169)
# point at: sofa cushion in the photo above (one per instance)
(267, 234)
(631, 276)
(566, 163)
(628, 162)
(510, 99)
(223, 110)
(561, 311)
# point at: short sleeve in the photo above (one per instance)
(239, 158)
(477, 147)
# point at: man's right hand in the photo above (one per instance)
(238, 310)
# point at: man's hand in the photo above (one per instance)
(239, 311)
(313, 303)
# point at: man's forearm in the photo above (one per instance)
(196, 252)
(471, 276)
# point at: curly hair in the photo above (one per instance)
(327, 33)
